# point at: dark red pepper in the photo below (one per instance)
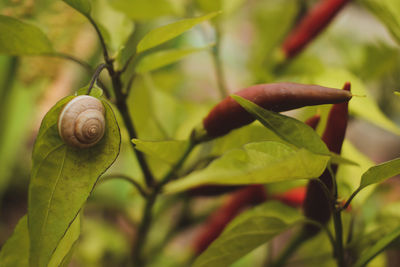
(237, 202)
(316, 204)
(278, 97)
(311, 25)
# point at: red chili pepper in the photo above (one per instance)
(250, 195)
(313, 121)
(311, 25)
(278, 97)
(316, 205)
(294, 197)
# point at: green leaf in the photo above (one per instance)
(256, 163)
(289, 129)
(388, 12)
(167, 151)
(165, 33)
(246, 232)
(376, 249)
(95, 92)
(162, 58)
(15, 251)
(355, 172)
(115, 27)
(337, 159)
(144, 9)
(62, 179)
(83, 6)
(380, 173)
(20, 38)
(63, 253)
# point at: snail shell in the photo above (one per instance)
(81, 122)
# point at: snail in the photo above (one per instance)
(81, 122)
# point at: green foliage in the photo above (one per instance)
(83, 6)
(380, 173)
(256, 163)
(167, 151)
(15, 251)
(144, 10)
(60, 172)
(377, 248)
(165, 33)
(388, 12)
(246, 232)
(166, 102)
(14, 35)
(165, 57)
(291, 130)
(362, 104)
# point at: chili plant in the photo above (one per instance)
(131, 119)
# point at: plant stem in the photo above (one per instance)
(142, 231)
(96, 75)
(123, 109)
(339, 253)
(144, 226)
(346, 205)
(102, 41)
(82, 63)
(218, 64)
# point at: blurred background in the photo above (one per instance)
(361, 45)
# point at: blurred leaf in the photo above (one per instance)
(246, 232)
(165, 33)
(388, 12)
(377, 248)
(289, 129)
(62, 179)
(117, 26)
(256, 163)
(162, 58)
(272, 20)
(362, 105)
(143, 109)
(144, 9)
(16, 117)
(227, 6)
(380, 173)
(167, 151)
(102, 241)
(15, 252)
(83, 6)
(350, 176)
(20, 38)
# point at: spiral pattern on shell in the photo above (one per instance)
(81, 122)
